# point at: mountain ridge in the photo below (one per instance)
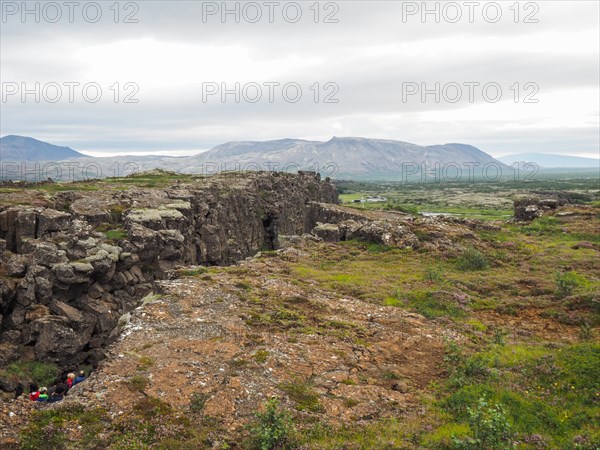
(348, 157)
(352, 156)
(24, 148)
(550, 160)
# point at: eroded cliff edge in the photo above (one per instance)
(71, 267)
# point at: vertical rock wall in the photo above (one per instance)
(68, 273)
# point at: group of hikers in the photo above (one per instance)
(54, 394)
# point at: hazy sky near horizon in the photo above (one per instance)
(507, 77)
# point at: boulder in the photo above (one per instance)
(530, 208)
(72, 314)
(16, 266)
(57, 342)
(210, 245)
(44, 252)
(105, 313)
(102, 262)
(25, 224)
(51, 220)
(328, 232)
(96, 290)
(146, 242)
(127, 260)
(172, 245)
(381, 232)
(8, 353)
(91, 210)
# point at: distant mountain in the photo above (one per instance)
(549, 161)
(352, 157)
(21, 148)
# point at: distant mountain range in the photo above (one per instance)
(340, 157)
(550, 161)
(346, 157)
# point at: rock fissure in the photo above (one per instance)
(68, 273)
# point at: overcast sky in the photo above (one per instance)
(373, 58)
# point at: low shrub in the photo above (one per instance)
(272, 429)
(489, 426)
(471, 260)
(301, 393)
(567, 282)
(198, 401)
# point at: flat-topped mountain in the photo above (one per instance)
(348, 157)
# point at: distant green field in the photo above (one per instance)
(487, 201)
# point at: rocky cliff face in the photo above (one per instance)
(70, 271)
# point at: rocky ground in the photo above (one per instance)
(359, 363)
(349, 326)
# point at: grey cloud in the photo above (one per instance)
(370, 85)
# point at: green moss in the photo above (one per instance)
(116, 235)
(433, 304)
(116, 212)
(41, 373)
(567, 282)
(192, 272)
(433, 274)
(543, 226)
(385, 434)
(145, 362)
(48, 428)
(389, 375)
(303, 395)
(261, 356)
(392, 301)
(445, 435)
(138, 383)
(477, 325)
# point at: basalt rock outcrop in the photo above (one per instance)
(530, 208)
(70, 271)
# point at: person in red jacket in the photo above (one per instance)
(34, 392)
(70, 378)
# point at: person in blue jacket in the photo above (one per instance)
(58, 394)
(79, 378)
